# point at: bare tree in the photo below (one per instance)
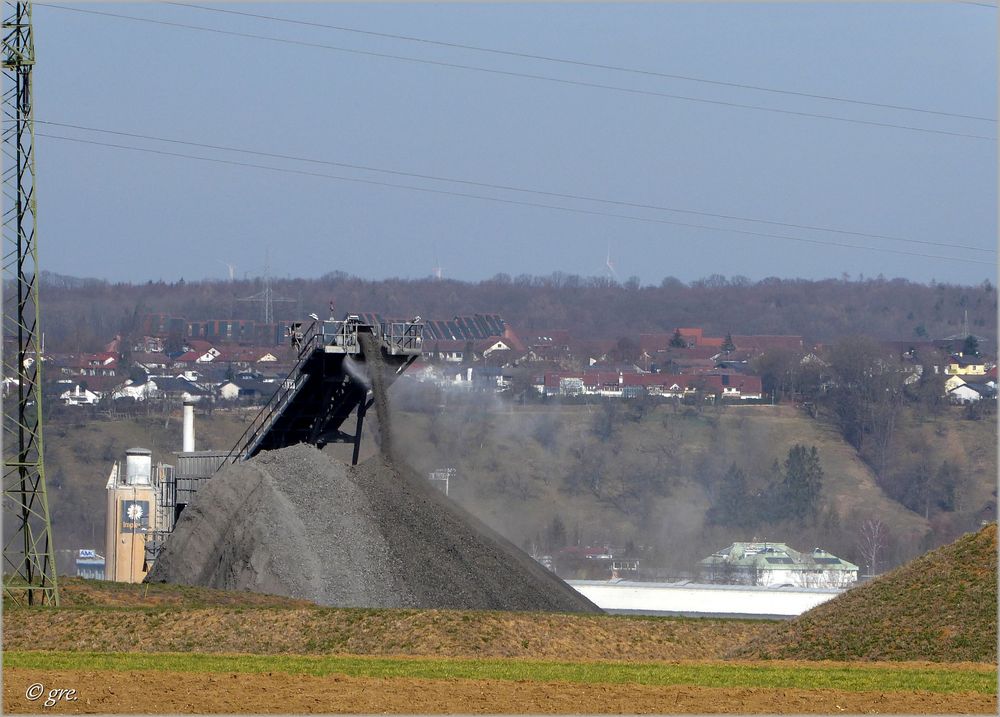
(871, 543)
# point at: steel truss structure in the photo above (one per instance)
(29, 568)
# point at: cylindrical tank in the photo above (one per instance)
(138, 466)
(188, 445)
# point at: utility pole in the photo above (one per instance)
(29, 558)
(266, 297)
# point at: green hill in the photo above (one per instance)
(940, 607)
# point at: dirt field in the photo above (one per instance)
(198, 693)
(137, 649)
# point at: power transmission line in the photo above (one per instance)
(520, 75)
(30, 573)
(517, 202)
(580, 63)
(511, 188)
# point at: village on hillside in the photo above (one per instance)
(230, 362)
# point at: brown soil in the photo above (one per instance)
(141, 692)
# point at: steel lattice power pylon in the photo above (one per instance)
(29, 566)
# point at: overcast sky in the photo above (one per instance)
(125, 215)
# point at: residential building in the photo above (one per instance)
(971, 392)
(611, 384)
(959, 365)
(79, 396)
(246, 388)
(171, 387)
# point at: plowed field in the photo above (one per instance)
(143, 692)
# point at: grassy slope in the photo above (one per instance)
(111, 617)
(974, 444)
(942, 606)
(850, 678)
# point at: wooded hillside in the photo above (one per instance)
(83, 314)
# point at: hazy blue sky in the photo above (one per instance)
(119, 214)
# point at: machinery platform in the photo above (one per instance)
(328, 383)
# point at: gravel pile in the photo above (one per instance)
(297, 522)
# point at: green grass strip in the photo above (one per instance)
(851, 678)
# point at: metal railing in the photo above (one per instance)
(343, 334)
(402, 336)
(279, 400)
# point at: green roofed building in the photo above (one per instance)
(775, 564)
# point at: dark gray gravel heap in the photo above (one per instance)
(296, 522)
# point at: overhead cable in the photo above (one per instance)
(580, 63)
(520, 75)
(511, 188)
(516, 202)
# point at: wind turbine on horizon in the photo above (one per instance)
(231, 267)
(610, 265)
(438, 270)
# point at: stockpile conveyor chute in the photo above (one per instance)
(328, 383)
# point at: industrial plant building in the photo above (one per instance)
(134, 514)
(776, 564)
(144, 501)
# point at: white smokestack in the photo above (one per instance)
(188, 446)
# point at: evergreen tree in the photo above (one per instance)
(556, 534)
(678, 341)
(799, 494)
(728, 346)
(731, 505)
(971, 346)
(946, 483)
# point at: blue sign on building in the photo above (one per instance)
(89, 565)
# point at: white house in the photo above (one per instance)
(78, 396)
(9, 384)
(228, 391)
(494, 345)
(198, 356)
(970, 392)
(138, 391)
(953, 382)
(161, 387)
(208, 356)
